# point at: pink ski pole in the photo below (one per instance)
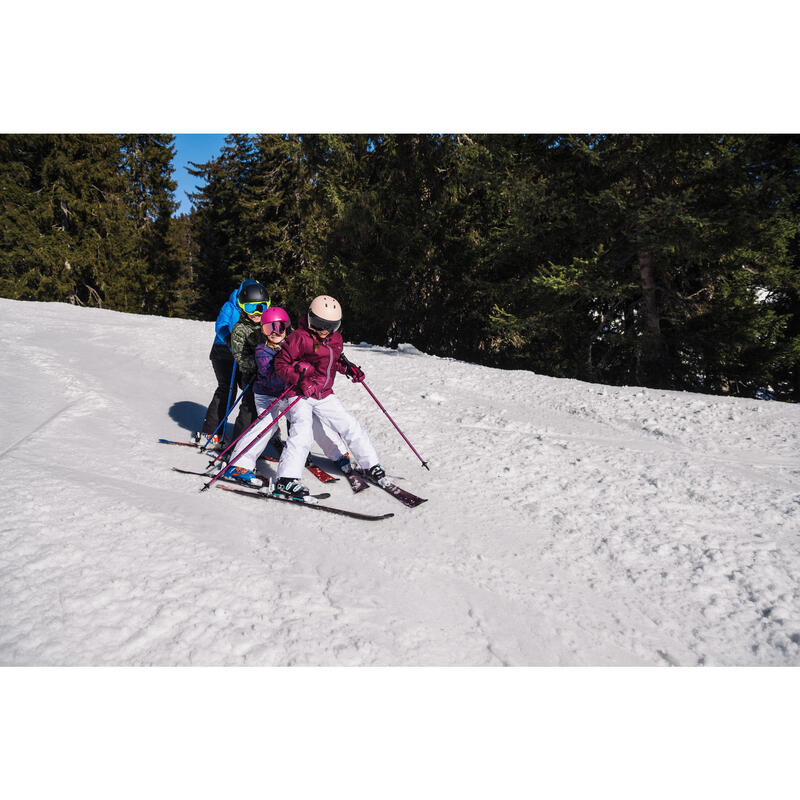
(424, 463)
(213, 480)
(254, 422)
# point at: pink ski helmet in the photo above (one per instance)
(275, 320)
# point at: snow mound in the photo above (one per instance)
(409, 349)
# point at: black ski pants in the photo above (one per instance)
(222, 362)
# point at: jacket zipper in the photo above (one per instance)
(328, 373)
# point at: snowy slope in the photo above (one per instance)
(567, 523)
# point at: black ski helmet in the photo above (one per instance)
(253, 299)
(252, 292)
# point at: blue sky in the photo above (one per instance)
(197, 147)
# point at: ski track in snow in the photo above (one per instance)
(567, 523)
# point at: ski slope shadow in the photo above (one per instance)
(187, 414)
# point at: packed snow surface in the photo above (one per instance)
(567, 523)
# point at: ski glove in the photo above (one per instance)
(354, 372)
(307, 387)
(302, 367)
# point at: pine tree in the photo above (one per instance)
(147, 162)
(218, 227)
(67, 234)
(283, 220)
(391, 201)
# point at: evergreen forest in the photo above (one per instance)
(667, 261)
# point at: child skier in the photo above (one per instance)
(310, 358)
(267, 387)
(246, 334)
(222, 363)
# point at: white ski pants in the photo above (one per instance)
(332, 418)
(248, 460)
(324, 435)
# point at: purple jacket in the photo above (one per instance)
(301, 345)
(268, 382)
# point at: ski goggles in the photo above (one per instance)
(319, 324)
(254, 308)
(276, 326)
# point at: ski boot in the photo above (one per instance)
(242, 475)
(291, 488)
(377, 474)
(214, 445)
(207, 443)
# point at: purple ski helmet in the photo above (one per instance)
(275, 320)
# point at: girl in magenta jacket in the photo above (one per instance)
(310, 360)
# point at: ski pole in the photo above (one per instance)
(231, 463)
(424, 463)
(254, 422)
(260, 435)
(228, 405)
(225, 418)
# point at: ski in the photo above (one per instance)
(304, 502)
(357, 483)
(321, 496)
(316, 471)
(405, 497)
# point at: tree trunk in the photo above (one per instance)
(649, 292)
(651, 366)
